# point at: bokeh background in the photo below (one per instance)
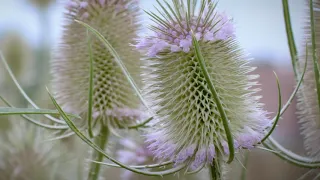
(29, 29)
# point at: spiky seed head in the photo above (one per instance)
(188, 126)
(308, 105)
(25, 155)
(114, 101)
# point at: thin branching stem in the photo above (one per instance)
(136, 167)
(98, 149)
(23, 93)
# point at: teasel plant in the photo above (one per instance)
(308, 97)
(197, 87)
(86, 79)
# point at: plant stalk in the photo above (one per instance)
(101, 141)
(215, 170)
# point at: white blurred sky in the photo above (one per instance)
(260, 26)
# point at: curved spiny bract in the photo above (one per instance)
(308, 105)
(188, 126)
(114, 101)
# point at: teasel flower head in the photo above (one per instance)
(25, 154)
(308, 105)
(114, 101)
(188, 127)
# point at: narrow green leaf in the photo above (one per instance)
(33, 121)
(19, 111)
(268, 150)
(98, 149)
(60, 137)
(214, 93)
(285, 107)
(141, 124)
(285, 153)
(23, 93)
(291, 157)
(278, 113)
(136, 167)
(118, 61)
(290, 37)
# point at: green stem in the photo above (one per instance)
(101, 140)
(291, 42)
(291, 157)
(215, 170)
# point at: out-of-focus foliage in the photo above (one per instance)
(25, 155)
(41, 3)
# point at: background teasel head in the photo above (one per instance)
(114, 101)
(188, 127)
(133, 151)
(25, 154)
(308, 104)
(41, 3)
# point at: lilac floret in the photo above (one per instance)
(178, 37)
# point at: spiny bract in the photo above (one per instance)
(25, 154)
(308, 105)
(188, 127)
(114, 101)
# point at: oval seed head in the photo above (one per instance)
(308, 105)
(188, 127)
(25, 154)
(114, 101)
